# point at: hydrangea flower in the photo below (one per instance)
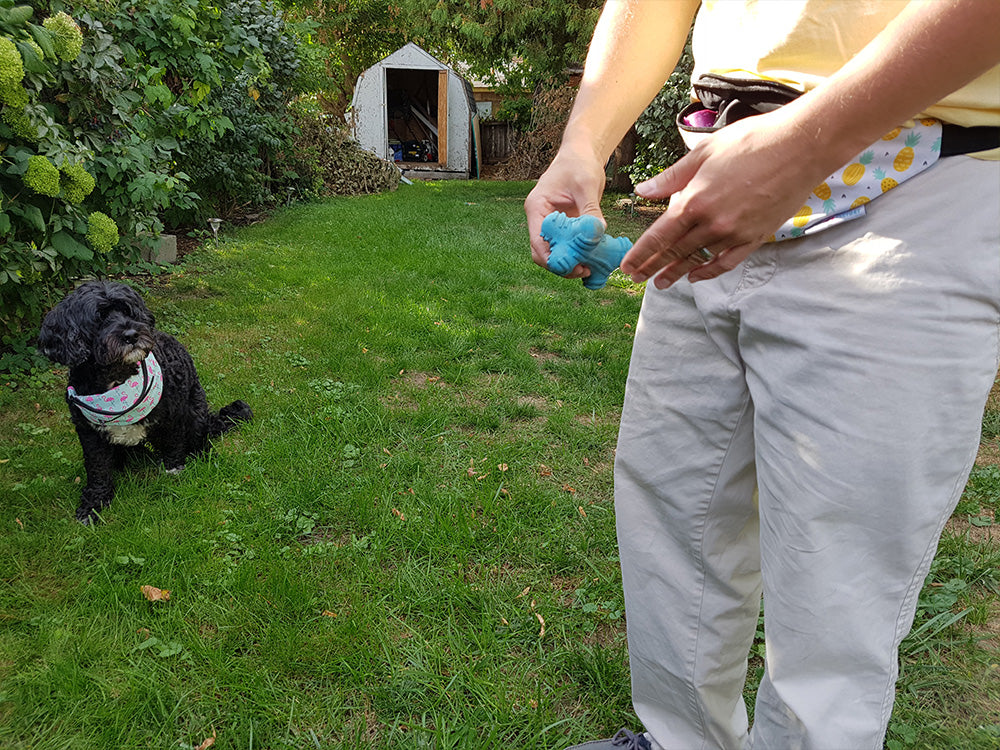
(77, 183)
(42, 176)
(18, 121)
(11, 65)
(68, 38)
(102, 232)
(15, 97)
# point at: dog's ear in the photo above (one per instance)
(69, 328)
(137, 310)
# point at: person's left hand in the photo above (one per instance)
(728, 195)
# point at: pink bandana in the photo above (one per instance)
(127, 403)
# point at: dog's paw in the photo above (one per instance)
(174, 471)
(88, 516)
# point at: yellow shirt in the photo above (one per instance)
(802, 42)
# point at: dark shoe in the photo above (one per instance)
(624, 740)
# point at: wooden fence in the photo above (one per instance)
(498, 141)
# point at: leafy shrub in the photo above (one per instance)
(239, 167)
(43, 177)
(660, 144)
(139, 112)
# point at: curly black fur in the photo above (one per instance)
(101, 331)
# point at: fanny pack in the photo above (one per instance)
(899, 155)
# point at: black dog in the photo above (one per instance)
(129, 385)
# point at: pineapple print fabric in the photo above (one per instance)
(898, 156)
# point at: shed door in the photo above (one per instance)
(417, 115)
(443, 117)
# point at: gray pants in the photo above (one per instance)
(844, 375)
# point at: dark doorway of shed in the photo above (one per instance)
(417, 115)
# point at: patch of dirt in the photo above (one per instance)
(539, 402)
(415, 380)
(977, 534)
(421, 379)
(989, 453)
(607, 635)
(187, 244)
(543, 356)
(325, 535)
(991, 629)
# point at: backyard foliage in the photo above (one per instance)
(145, 112)
(48, 225)
(659, 144)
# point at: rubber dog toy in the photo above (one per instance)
(582, 239)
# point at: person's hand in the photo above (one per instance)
(572, 184)
(728, 195)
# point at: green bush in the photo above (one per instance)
(239, 167)
(44, 184)
(125, 116)
(660, 144)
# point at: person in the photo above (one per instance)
(842, 374)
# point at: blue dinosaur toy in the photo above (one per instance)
(582, 240)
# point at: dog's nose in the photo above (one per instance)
(130, 336)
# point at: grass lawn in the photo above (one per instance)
(412, 545)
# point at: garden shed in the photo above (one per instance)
(413, 109)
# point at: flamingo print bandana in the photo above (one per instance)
(898, 156)
(127, 403)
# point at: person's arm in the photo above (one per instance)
(633, 51)
(739, 185)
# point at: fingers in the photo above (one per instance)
(543, 200)
(698, 270)
(669, 181)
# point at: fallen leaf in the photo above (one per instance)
(523, 593)
(567, 488)
(19, 523)
(544, 471)
(154, 594)
(541, 633)
(396, 512)
(471, 471)
(503, 621)
(207, 743)
(502, 467)
(582, 511)
(328, 613)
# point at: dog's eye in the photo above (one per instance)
(115, 308)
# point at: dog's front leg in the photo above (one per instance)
(99, 464)
(173, 454)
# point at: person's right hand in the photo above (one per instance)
(572, 184)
